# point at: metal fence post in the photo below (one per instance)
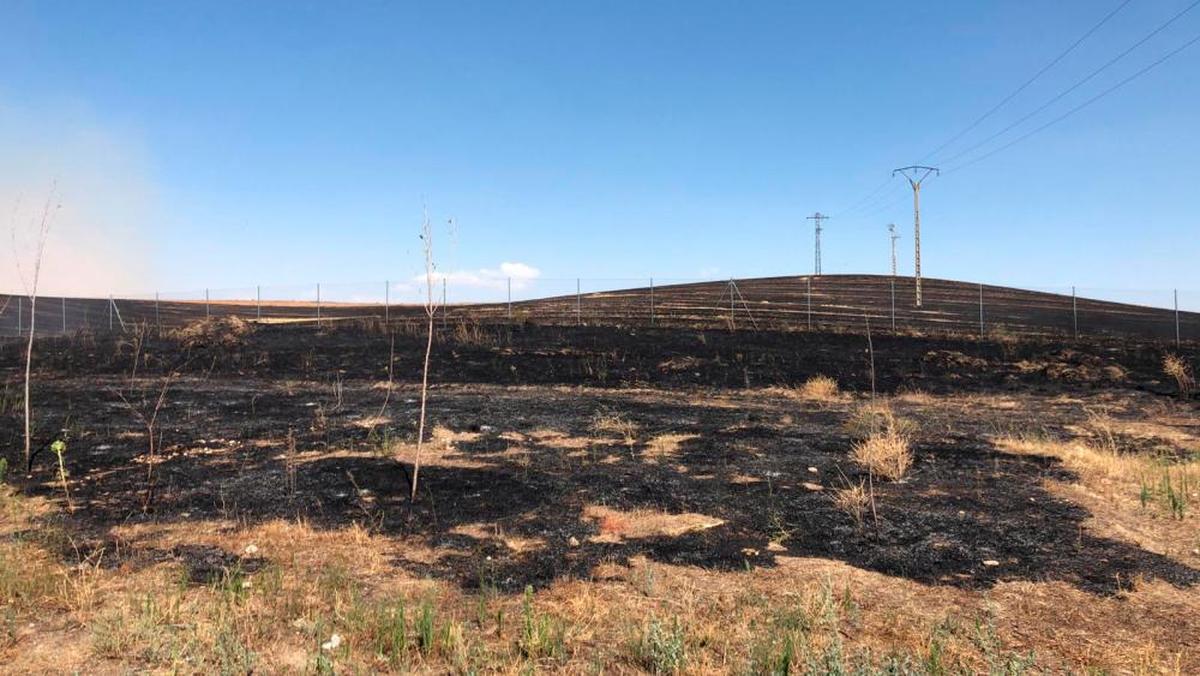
(387, 297)
(893, 303)
(1074, 314)
(206, 312)
(110, 309)
(808, 285)
(258, 303)
(1177, 342)
(981, 331)
(64, 314)
(20, 314)
(651, 301)
(578, 304)
(318, 303)
(510, 299)
(157, 319)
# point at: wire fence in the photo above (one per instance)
(776, 303)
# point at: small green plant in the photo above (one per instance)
(3, 469)
(661, 648)
(541, 636)
(1175, 494)
(426, 628)
(1170, 490)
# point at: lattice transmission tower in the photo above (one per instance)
(816, 219)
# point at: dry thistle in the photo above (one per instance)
(1178, 369)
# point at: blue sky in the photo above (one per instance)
(227, 144)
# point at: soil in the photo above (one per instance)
(518, 460)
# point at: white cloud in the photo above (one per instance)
(521, 275)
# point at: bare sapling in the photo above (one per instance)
(430, 311)
(147, 413)
(31, 289)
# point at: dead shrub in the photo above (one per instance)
(886, 454)
(1178, 369)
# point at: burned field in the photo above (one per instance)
(236, 498)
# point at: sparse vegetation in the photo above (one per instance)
(612, 423)
(572, 528)
(661, 647)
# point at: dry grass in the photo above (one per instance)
(886, 454)
(883, 440)
(877, 417)
(820, 388)
(1177, 368)
(854, 500)
(616, 525)
(611, 423)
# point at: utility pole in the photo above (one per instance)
(892, 234)
(915, 175)
(816, 219)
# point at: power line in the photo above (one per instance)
(874, 204)
(1030, 81)
(869, 195)
(1075, 86)
(1083, 105)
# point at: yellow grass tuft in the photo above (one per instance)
(886, 454)
(820, 388)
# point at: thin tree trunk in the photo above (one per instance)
(421, 424)
(28, 374)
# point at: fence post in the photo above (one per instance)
(20, 316)
(387, 297)
(258, 303)
(1177, 342)
(893, 303)
(651, 301)
(808, 285)
(206, 313)
(444, 303)
(157, 319)
(578, 304)
(110, 308)
(731, 306)
(510, 299)
(981, 332)
(318, 303)
(1074, 313)
(64, 314)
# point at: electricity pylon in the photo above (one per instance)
(893, 237)
(816, 219)
(915, 175)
